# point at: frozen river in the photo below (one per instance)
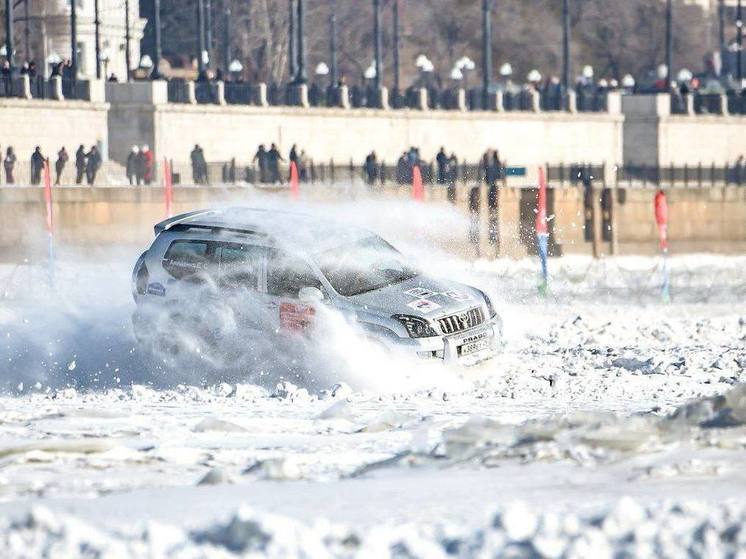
(602, 427)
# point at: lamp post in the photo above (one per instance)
(292, 41)
(464, 65)
(227, 54)
(97, 37)
(127, 39)
(739, 43)
(486, 50)
(669, 43)
(157, 51)
(208, 31)
(333, 76)
(9, 33)
(565, 45)
(377, 43)
(74, 40)
(201, 35)
(395, 14)
(302, 77)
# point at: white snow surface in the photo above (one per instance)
(612, 425)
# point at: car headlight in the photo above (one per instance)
(490, 307)
(416, 327)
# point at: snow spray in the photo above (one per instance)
(50, 219)
(418, 190)
(294, 181)
(168, 187)
(661, 218)
(542, 231)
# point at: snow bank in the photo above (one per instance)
(672, 529)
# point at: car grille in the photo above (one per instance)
(463, 321)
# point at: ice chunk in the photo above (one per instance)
(214, 424)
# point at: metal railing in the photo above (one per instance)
(651, 176)
(177, 91)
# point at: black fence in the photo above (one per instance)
(733, 103)
(177, 91)
(650, 176)
(245, 93)
(9, 87)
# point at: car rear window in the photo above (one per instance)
(186, 259)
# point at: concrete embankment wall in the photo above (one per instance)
(141, 114)
(712, 219)
(653, 136)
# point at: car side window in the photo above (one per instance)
(187, 260)
(240, 265)
(287, 274)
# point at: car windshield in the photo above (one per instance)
(365, 265)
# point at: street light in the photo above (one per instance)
(628, 81)
(322, 69)
(235, 68)
(534, 76)
(146, 63)
(370, 71)
(465, 65)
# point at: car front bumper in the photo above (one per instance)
(467, 348)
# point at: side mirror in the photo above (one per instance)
(310, 294)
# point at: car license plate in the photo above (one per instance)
(473, 347)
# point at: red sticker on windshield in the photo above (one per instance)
(294, 317)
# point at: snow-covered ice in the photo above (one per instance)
(612, 425)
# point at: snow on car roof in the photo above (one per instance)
(313, 232)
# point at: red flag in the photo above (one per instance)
(661, 218)
(48, 196)
(418, 190)
(168, 187)
(294, 181)
(541, 210)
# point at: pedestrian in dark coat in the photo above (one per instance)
(132, 165)
(260, 157)
(93, 164)
(79, 164)
(442, 161)
(273, 163)
(37, 164)
(196, 165)
(371, 167)
(59, 165)
(9, 164)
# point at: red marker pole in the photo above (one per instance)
(168, 187)
(294, 181)
(542, 230)
(418, 190)
(50, 218)
(661, 219)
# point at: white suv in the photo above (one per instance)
(271, 272)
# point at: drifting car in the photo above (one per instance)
(273, 273)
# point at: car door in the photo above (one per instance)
(287, 274)
(241, 282)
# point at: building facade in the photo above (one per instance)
(42, 33)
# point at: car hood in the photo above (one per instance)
(420, 296)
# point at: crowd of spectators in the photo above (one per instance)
(87, 165)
